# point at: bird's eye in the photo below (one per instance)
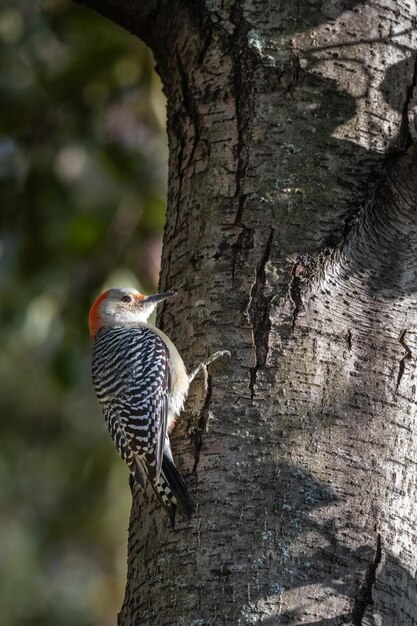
(126, 299)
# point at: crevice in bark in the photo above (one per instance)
(405, 137)
(258, 310)
(189, 106)
(349, 340)
(202, 423)
(180, 178)
(207, 31)
(364, 597)
(240, 248)
(244, 63)
(408, 354)
(299, 267)
(296, 72)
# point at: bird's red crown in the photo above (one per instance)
(94, 320)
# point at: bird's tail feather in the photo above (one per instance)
(175, 482)
(171, 489)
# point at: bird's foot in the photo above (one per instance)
(203, 366)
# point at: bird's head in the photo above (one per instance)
(122, 306)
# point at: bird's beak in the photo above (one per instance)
(158, 297)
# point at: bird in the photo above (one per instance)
(141, 383)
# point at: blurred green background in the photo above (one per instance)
(83, 183)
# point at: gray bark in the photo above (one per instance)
(291, 236)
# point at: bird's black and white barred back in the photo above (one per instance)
(131, 377)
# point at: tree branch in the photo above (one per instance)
(138, 18)
(379, 254)
(384, 244)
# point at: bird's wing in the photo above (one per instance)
(138, 390)
(119, 438)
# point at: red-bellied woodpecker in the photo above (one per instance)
(141, 383)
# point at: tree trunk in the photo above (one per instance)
(291, 237)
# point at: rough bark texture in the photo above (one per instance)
(291, 236)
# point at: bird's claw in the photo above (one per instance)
(216, 356)
(203, 366)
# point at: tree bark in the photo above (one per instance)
(291, 237)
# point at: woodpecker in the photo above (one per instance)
(141, 383)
